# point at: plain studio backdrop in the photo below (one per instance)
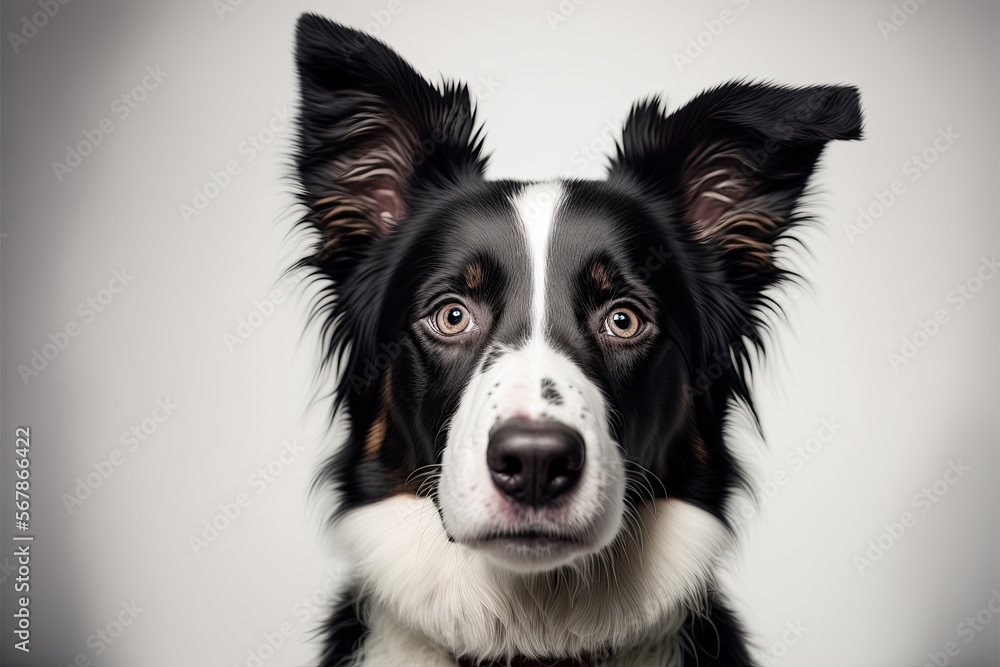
(166, 371)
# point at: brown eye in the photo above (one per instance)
(453, 319)
(622, 322)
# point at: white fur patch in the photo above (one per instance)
(428, 599)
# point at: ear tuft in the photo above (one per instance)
(371, 130)
(735, 160)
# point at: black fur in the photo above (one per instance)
(343, 633)
(715, 639)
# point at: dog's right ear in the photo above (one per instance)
(370, 131)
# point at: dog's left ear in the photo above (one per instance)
(370, 130)
(733, 163)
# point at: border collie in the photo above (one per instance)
(536, 378)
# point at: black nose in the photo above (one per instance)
(534, 462)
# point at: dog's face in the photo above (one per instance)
(540, 330)
(541, 359)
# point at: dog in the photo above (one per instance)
(537, 377)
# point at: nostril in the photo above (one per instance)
(559, 467)
(559, 475)
(534, 462)
(511, 466)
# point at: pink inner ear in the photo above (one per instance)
(390, 206)
(705, 212)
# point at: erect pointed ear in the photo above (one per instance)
(370, 129)
(734, 161)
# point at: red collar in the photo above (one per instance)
(528, 662)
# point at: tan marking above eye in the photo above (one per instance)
(601, 277)
(453, 319)
(473, 276)
(622, 322)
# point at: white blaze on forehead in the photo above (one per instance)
(536, 207)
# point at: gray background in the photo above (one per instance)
(547, 87)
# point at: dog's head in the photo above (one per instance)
(540, 359)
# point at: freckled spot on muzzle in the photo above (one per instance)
(550, 393)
